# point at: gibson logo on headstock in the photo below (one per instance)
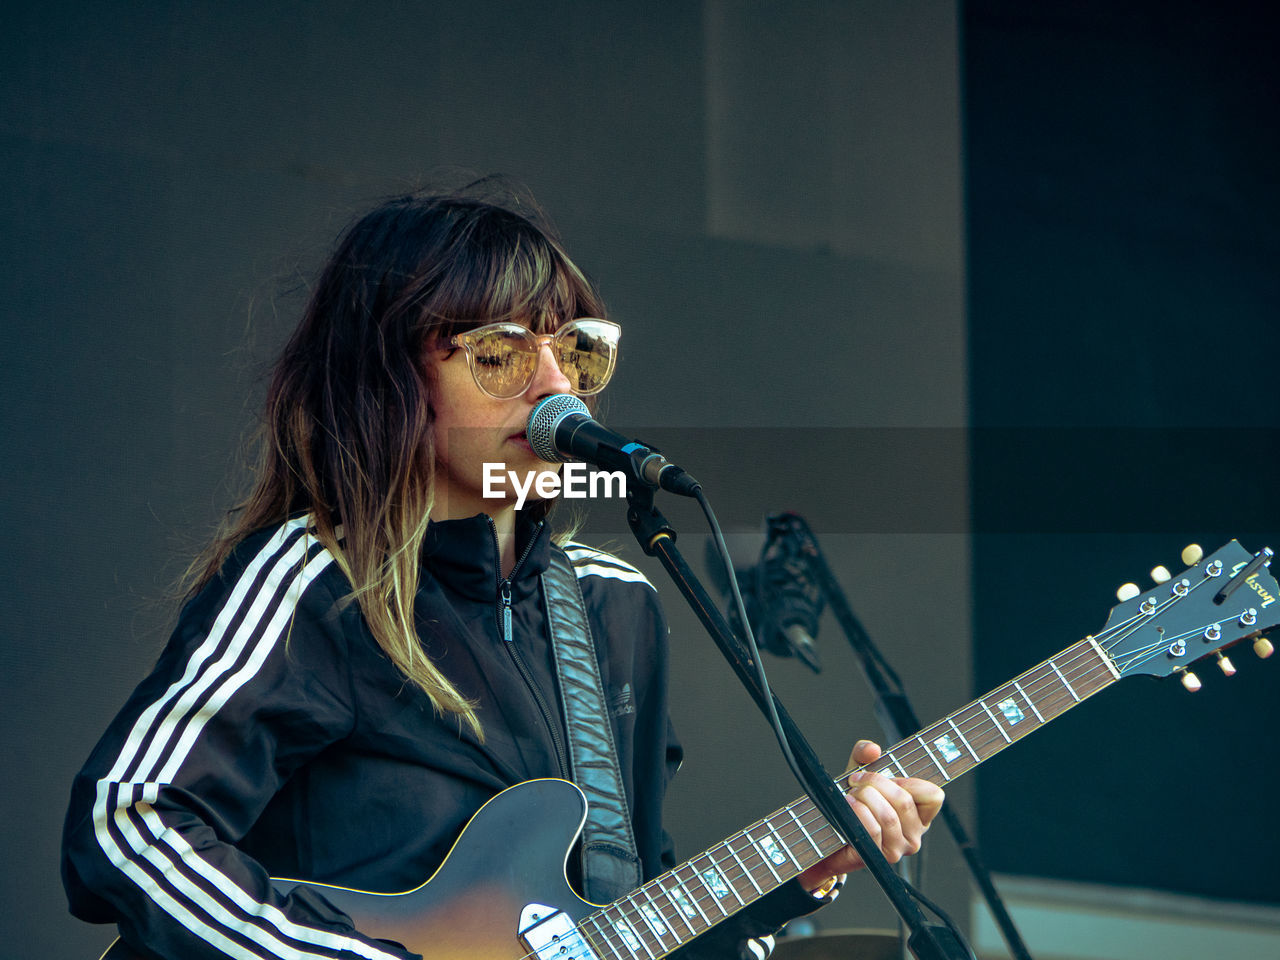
(1259, 589)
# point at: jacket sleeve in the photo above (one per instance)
(252, 684)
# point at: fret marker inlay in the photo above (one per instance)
(771, 850)
(628, 935)
(715, 883)
(655, 920)
(718, 881)
(947, 747)
(1012, 712)
(683, 903)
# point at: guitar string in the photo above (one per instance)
(1145, 654)
(1036, 679)
(741, 869)
(734, 873)
(643, 931)
(1149, 652)
(1033, 682)
(1035, 685)
(1107, 640)
(651, 941)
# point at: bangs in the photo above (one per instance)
(504, 268)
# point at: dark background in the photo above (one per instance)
(1003, 225)
(1122, 200)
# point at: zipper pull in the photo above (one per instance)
(504, 595)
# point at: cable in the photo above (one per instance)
(749, 638)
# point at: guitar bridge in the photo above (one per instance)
(552, 935)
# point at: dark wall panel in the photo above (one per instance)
(1121, 211)
(171, 174)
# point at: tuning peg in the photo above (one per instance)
(1225, 665)
(1127, 591)
(1190, 680)
(1192, 554)
(1160, 574)
(1263, 648)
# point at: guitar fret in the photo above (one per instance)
(738, 860)
(1007, 738)
(920, 740)
(1070, 689)
(1096, 671)
(698, 897)
(829, 840)
(653, 917)
(749, 864)
(893, 761)
(633, 915)
(983, 734)
(1030, 704)
(688, 900)
(714, 879)
(675, 910)
(630, 937)
(602, 937)
(1104, 657)
(963, 740)
(804, 830)
(945, 746)
(771, 853)
(618, 943)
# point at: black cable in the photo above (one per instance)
(749, 638)
(723, 550)
(941, 914)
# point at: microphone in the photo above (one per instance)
(783, 602)
(561, 428)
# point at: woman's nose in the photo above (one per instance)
(548, 378)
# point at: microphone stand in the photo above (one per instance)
(899, 722)
(657, 538)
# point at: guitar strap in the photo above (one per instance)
(610, 864)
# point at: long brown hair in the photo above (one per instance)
(347, 433)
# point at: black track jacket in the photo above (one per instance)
(273, 738)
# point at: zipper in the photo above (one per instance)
(513, 649)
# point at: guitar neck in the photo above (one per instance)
(688, 900)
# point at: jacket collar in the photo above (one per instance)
(463, 555)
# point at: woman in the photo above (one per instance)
(363, 660)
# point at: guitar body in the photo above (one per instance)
(512, 853)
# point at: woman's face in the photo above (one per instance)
(473, 429)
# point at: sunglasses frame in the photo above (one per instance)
(467, 341)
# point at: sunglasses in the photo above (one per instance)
(503, 357)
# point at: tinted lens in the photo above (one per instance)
(586, 351)
(503, 361)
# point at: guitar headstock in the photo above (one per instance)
(1217, 601)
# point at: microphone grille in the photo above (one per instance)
(543, 420)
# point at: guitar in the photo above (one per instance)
(502, 891)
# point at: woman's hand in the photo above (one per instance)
(896, 812)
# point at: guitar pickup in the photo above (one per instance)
(552, 935)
